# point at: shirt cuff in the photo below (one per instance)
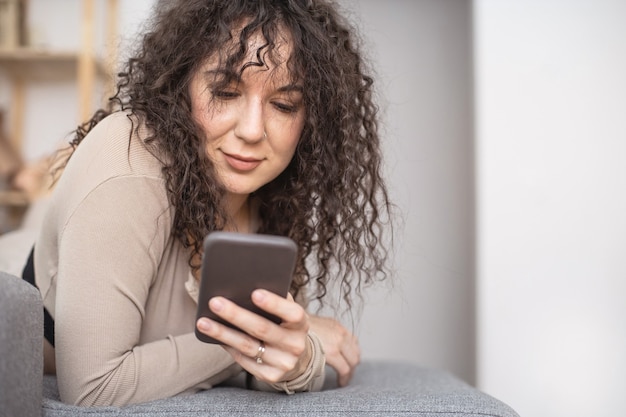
(312, 379)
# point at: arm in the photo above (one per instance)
(109, 254)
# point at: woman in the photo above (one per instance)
(244, 115)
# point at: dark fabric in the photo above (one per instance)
(28, 274)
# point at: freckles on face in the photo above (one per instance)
(253, 124)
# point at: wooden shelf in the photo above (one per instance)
(25, 65)
(45, 65)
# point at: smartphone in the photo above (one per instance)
(236, 264)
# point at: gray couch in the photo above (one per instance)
(378, 388)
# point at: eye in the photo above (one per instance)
(286, 107)
(225, 94)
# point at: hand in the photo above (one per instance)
(340, 346)
(287, 351)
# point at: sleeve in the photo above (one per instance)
(108, 256)
(311, 380)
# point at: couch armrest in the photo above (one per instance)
(21, 347)
(378, 389)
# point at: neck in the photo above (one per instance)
(238, 210)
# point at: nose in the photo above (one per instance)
(250, 125)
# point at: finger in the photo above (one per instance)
(262, 370)
(345, 359)
(341, 367)
(351, 351)
(291, 313)
(344, 379)
(250, 353)
(352, 355)
(245, 344)
(249, 322)
(259, 327)
(254, 356)
(263, 356)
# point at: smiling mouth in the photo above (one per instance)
(241, 163)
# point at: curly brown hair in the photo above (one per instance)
(331, 199)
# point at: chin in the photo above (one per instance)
(240, 189)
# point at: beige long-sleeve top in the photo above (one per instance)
(119, 285)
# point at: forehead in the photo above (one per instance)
(260, 55)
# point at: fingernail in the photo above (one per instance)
(204, 325)
(259, 295)
(216, 304)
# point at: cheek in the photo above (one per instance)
(212, 122)
(295, 132)
(290, 143)
(198, 105)
(201, 111)
(199, 116)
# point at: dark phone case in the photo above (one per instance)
(235, 264)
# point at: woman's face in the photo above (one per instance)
(252, 126)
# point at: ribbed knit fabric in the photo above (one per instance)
(113, 278)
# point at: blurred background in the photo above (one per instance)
(505, 139)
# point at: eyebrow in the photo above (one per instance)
(233, 76)
(291, 87)
(229, 75)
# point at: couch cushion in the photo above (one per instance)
(21, 343)
(378, 389)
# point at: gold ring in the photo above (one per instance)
(259, 353)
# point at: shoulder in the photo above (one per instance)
(111, 165)
(117, 146)
(120, 120)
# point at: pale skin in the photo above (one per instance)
(252, 128)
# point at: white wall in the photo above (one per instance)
(551, 158)
(422, 51)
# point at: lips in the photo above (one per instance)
(241, 163)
